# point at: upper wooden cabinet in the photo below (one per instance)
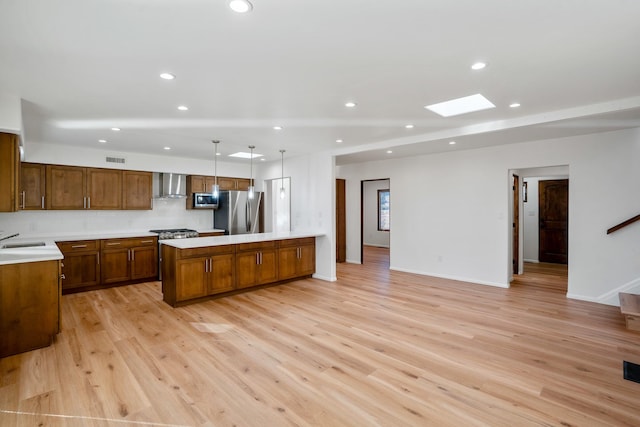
(137, 188)
(73, 187)
(199, 184)
(9, 173)
(32, 186)
(242, 183)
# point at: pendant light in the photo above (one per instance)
(215, 190)
(282, 192)
(251, 188)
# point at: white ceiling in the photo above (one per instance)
(84, 66)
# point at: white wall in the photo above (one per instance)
(10, 114)
(372, 236)
(459, 227)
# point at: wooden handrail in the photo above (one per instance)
(623, 224)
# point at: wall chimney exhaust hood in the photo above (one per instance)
(173, 186)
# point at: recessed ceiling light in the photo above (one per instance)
(244, 155)
(478, 66)
(467, 104)
(115, 129)
(183, 108)
(218, 154)
(167, 76)
(277, 128)
(167, 148)
(339, 141)
(350, 104)
(452, 143)
(102, 141)
(514, 105)
(389, 151)
(240, 6)
(409, 126)
(262, 159)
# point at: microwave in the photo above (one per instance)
(205, 201)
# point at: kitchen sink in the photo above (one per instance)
(22, 245)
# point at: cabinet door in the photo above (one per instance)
(242, 183)
(287, 262)
(307, 260)
(196, 183)
(246, 263)
(115, 265)
(104, 189)
(32, 186)
(208, 183)
(191, 278)
(144, 262)
(9, 173)
(80, 269)
(65, 187)
(136, 190)
(222, 274)
(226, 183)
(268, 267)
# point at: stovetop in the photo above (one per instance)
(175, 233)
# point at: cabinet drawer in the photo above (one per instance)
(79, 246)
(129, 242)
(297, 242)
(271, 244)
(206, 251)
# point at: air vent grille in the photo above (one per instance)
(115, 160)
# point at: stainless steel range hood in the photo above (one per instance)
(173, 186)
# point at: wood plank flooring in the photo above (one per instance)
(375, 348)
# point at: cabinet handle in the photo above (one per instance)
(23, 195)
(62, 276)
(78, 246)
(84, 203)
(146, 241)
(128, 255)
(98, 259)
(133, 254)
(42, 202)
(88, 202)
(260, 258)
(210, 265)
(113, 243)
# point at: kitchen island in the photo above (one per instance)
(197, 269)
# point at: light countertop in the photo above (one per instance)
(48, 252)
(200, 242)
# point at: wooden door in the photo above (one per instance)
(226, 183)
(553, 199)
(144, 262)
(287, 262)
(243, 184)
(516, 224)
(136, 190)
(65, 187)
(209, 181)
(32, 186)
(307, 261)
(222, 276)
(80, 269)
(191, 276)
(195, 184)
(104, 189)
(268, 267)
(246, 263)
(341, 221)
(115, 265)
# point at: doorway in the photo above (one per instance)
(277, 205)
(375, 219)
(553, 230)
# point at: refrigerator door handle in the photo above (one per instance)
(248, 215)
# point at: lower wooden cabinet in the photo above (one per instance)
(192, 274)
(29, 306)
(256, 264)
(81, 264)
(296, 258)
(129, 259)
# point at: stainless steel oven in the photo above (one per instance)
(172, 233)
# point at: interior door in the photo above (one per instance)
(553, 199)
(341, 221)
(516, 224)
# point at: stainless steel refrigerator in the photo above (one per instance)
(237, 214)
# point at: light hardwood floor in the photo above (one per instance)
(377, 347)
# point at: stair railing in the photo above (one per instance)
(623, 224)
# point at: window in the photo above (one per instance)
(383, 210)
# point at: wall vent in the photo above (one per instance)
(115, 160)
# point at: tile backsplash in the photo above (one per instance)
(166, 213)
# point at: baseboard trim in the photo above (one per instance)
(534, 261)
(325, 278)
(449, 277)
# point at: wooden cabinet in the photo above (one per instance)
(81, 264)
(296, 258)
(137, 188)
(9, 173)
(200, 184)
(211, 234)
(256, 264)
(242, 183)
(32, 186)
(73, 187)
(196, 273)
(128, 259)
(29, 306)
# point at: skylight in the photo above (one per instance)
(467, 104)
(244, 155)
